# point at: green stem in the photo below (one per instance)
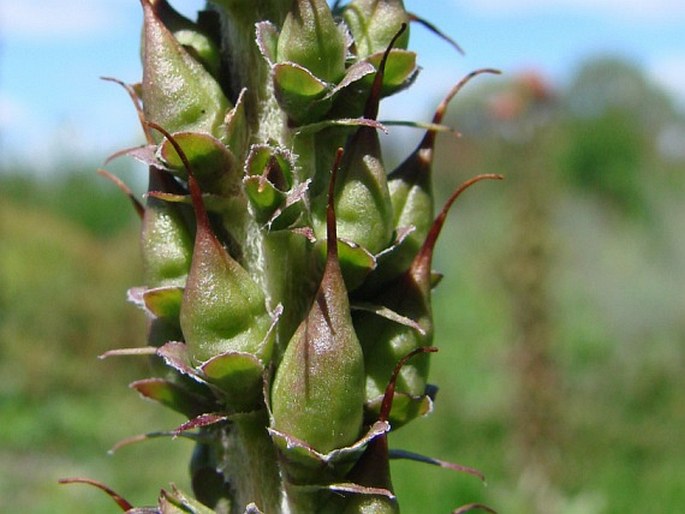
(246, 66)
(251, 465)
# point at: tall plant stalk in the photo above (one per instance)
(287, 273)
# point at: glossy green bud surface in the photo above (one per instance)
(178, 92)
(311, 38)
(374, 23)
(166, 240)
(318, 390)
(223, 308)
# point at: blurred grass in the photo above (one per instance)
(68, 253)
(619, 350)
(617, 304)
(62, 303)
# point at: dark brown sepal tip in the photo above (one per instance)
(421, 266)
(371, 109)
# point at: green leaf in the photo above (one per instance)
(239, 376)
(400, 70)
(164, 302)
(212, 162)
(172, 395)
(300, 93)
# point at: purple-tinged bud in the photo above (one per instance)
(223, 309)
(178, 92)
(318, 391)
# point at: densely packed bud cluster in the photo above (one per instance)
(287, 271)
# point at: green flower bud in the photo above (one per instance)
(374, 23)
(318, 390)
(362, 199)
(385, 341)
(223, 309)
(311, 38)
(178, 92)
(166, 239)
(190, 35)
(411, 194)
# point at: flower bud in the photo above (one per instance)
(362, 198)
(166, 239)
(385, 341)
(318, 390)
(311, 38)
(223, 309)
(178, 92)
(373, 24)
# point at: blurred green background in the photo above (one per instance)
(560, 320)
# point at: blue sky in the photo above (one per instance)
(52, 52)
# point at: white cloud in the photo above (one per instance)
(22, 132)
(656, 10)
(669, 71)
(11, 111)
(59, 18)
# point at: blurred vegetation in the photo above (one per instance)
(560, 319)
